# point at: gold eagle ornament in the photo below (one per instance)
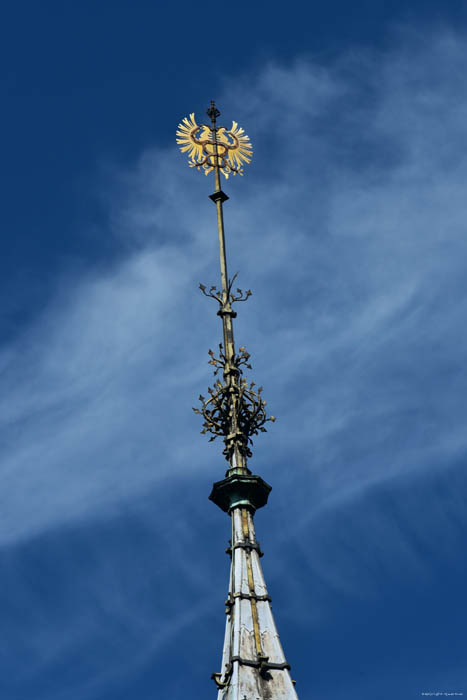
(200, 142)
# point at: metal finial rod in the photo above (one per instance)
(219, 198)
(235, 410)
(225, 311)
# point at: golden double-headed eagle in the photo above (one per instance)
(201, 142)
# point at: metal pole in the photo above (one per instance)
(238, 462)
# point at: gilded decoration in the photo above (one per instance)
(203, 144)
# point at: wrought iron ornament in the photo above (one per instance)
(235, 409)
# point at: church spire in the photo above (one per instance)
(253, 662)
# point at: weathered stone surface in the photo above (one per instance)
(248, 652)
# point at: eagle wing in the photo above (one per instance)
(239, 147)
(192, 138)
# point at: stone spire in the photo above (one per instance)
(253, 662)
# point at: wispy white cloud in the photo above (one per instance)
(350, 228)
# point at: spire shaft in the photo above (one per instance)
(253, 662)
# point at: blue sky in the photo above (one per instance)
(350, 228)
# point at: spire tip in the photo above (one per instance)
(212, 111)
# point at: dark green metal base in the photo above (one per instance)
(245, 490)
